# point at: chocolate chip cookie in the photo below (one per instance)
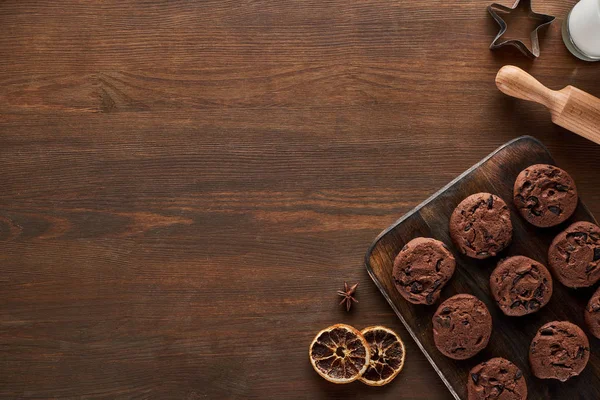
(520, 286)
(462, 326)
(545, 195)
(574, 255)
(497, 378)
(480, 226)
(421, 270)
(592, 314)
(560, 350)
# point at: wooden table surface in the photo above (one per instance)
(186, 184)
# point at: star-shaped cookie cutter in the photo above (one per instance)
(543, 20)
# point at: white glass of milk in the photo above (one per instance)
(581, 30)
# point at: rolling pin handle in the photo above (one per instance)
(515, 82)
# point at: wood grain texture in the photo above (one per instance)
(185, 184)
(511, 336)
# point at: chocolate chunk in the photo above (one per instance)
(457, 349)
(539, 292)
(517, 278)
(431, 296)
(533, 200)
(590, 268)
(580, 352)
(554, 209)
(429, 299)
(582, 236)
(475, 377)
(416, 287)
(519, 374)
(596, 254)
(533, 305)
(490, 202)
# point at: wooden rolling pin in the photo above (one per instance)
(571, 108)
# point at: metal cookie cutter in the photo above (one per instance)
(543, 20)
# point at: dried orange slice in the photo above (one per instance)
(339, 354)
(386, 355)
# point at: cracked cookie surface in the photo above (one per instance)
(480, 225)
(462, 326)
(574, 255)
(559, 350)
(496, 378)
(520, 286)
(421, 270)
(545, 195)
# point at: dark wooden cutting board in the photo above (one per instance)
(511, 335)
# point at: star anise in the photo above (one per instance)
(348, 295)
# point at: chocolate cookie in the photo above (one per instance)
(462, 326)
(497, 378)
(480, 226)
(421, 270)
(592, 314)
(545, 195)
(560, 350)
(520, 286)
(574, 255)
